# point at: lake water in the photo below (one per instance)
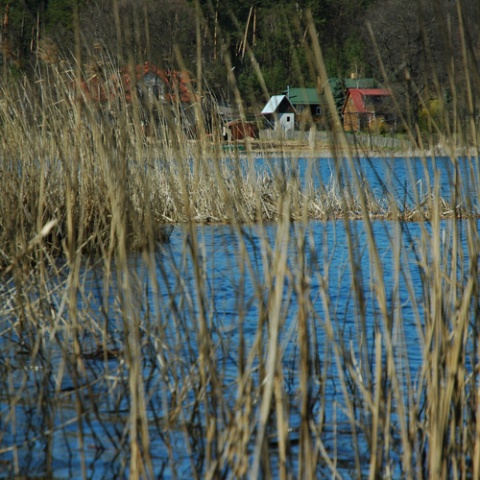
(404, 180)
(228, 283)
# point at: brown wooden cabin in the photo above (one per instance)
(368, 109)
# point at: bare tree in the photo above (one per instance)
(150, 29)
(411, 46)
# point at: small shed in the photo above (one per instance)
(279, 113)
(367, 109)
(240, 129)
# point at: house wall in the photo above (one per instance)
(354, 121)
(286, 121)
(310, 115)
(240, 130)
(375, 116)
(351, 120)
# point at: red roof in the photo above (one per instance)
(358, 96)
(177, 83)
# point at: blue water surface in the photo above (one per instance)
(406, 181)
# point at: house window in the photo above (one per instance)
(318, 111)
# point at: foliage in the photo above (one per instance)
(401, 43)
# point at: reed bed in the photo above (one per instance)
(121, 356)
(75, 163)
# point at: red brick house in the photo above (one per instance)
(368, 109)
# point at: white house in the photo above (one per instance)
(279, 113)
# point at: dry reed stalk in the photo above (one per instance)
(306, 457)
(275, 322)
(375, 457)
(476, 433)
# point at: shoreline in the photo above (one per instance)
(327, 149)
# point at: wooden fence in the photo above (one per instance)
(361, 139)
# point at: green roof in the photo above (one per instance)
(310, 96)
(304, 96)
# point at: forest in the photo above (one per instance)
(419, 48)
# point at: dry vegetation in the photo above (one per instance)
(99, 364)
